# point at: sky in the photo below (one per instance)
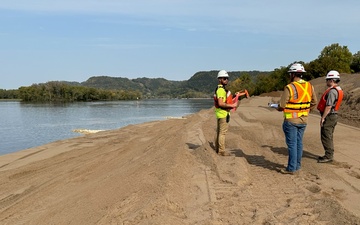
(73, 40)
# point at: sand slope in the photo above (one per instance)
(166, 172)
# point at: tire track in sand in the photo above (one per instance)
(256, 192)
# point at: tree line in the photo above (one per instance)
(332, 57)
(55, 91)
(200, 85)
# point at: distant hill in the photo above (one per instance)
(149, 87)
(201, 84)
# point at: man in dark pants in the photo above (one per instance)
(328, 106)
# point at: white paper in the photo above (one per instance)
(273, 105)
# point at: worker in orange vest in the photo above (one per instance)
(328, 106)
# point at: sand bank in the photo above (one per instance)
(166, 172)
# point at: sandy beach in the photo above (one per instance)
(167, 172)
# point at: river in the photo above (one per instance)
(26, 125)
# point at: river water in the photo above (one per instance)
(24, 125)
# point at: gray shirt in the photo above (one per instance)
(331, 99)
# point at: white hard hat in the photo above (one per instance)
(296, 68)
(333, 74)
(222, 73)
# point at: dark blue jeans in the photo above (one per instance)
(293, 136)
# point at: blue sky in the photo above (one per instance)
(72, 40)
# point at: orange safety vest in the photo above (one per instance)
(229, 98)
(322, 103)
(300, 98)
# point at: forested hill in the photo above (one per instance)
(201, 84)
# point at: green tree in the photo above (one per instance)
(264, 84)
(314, 69)
(280, 77)
(61, 92)
(241, 83)
(9, 94)
(355, 63)
(332, 57)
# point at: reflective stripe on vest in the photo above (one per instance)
(300, 98)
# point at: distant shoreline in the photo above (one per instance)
(10, 100)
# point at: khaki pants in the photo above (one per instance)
(222, 127)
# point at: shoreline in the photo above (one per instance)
(27, 126)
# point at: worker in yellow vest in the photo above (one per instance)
(223, 104)
(296, 101)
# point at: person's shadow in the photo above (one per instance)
(284, 151)
(212, 145)
(257, 160)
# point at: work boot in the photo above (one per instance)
(224, 154)
(324, 159)
(285, 171)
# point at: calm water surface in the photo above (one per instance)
(24, 125)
